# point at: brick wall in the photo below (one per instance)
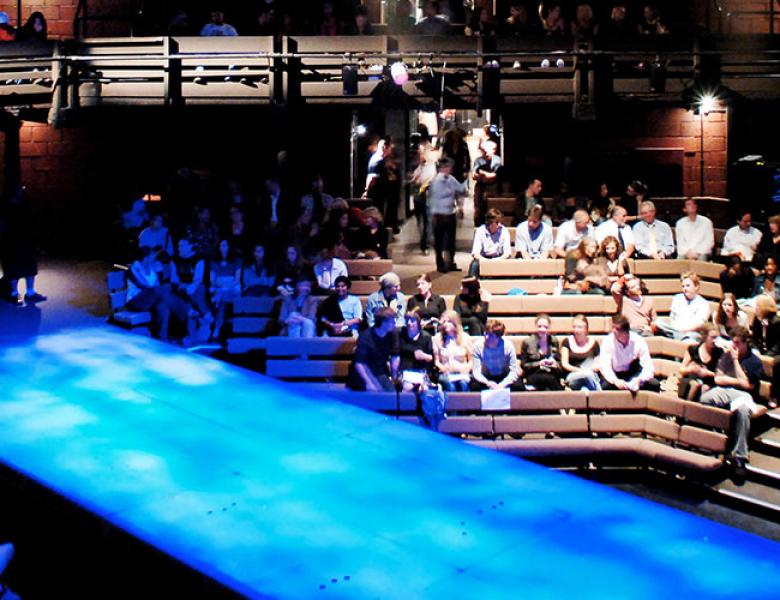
(60, 14)
(743, 23)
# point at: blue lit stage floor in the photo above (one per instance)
(275, 494)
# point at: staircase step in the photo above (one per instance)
(751, 497)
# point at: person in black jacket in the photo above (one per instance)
(427, 304)
(540, 358)
(766, 338)
(416, 348)
(737, 278)
(472, 306)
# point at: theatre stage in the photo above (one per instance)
(273, 493)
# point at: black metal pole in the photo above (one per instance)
(701, 153)
(18, 14)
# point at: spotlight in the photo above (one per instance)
(546, 63)
(361, 130)
(707, 104)
(399, 73)
(517, 65)
(560, 63)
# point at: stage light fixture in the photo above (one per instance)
(706, 104)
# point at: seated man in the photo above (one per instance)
(389, 295)
(616, 227)
(494, 361)
(738, 379)
(653, 238)
(572, 232)
(534, 238)
(634, 305)
(695, 235)
(625, 362)
(377, 356)
(491, 240)
(743, 239)
(689, 312)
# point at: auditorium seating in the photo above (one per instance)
(135, 321)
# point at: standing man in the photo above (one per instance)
(445, 198)
(534, 238)
(571, 232)
(485, 174)
(625, 361)
(695, 236)
(738, 379)
(532, 197)
(742, 239)
(377, 356)
(617, 228)
(653, 238)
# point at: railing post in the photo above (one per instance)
(59, 76)
(171, 74)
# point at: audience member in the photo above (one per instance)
(428, 305)
(145, 292)
(766, 338)
(34, 29)
(737, 278)
(566, 202)
(337, 234)
(361, 25)
(329, 24)
(584, 26)
(485, 173)
(289, 269)
(341, 313)
(225, 287)
(728, 316)
(188, 271)
(650, 24)
(770, 243)
(551, 15)
(532, 197)
(653, 238)
(258, 277)
(317, 203)
(472, 306)
(328, 269)
(377, 355)
(389, 295)
(217, 26)
(18, 255)
(601, 206)
(7, 31)
(697, 372)
(634, 305)
(737, 381)
(571, 233)
(743, 239)
(456, 149)
(452, 354)
(614, 260)
(445, 199)
(768, 282)
(540, 358)
(579, 357)
(494, 361)
(635, 194)
(616, 227)
(371, 239)
(583, 274)
(482, 23)
(237, 232)
(624, 361)
(298, 314)
(416, 347)
(695, 236)
(491, 241)
(689, 311)
(203, 234)
(533, 237)
(402, 20)
(518, 24)
(432, 22)
(617, 25)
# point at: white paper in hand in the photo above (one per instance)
(495, 399)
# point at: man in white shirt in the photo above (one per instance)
(624, 360)
(217, 26)
(616, 227)
(653, 238)
(742, 239)
(571, 232)
(491, 241)
(534, 238)
(689, 312)
(328, 269)
(695, 236)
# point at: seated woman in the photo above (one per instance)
(737, 278)
(766, 338)
(289, 269)
(582, 274)
(258, 276)
(371, 239)
(225, 277)
(614, 260)
(299, 310)
(452, 354)
(770, 242)
(472, 306)
(540, 358)
(340, 314)
(429, 306)
(768, 282)
(145, 293)
(579, 357)
(336, 233)
(700, 363)
(728, 316)
(156, 236)
(416, 354)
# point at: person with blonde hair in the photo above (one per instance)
(579, 356)
(766, 338)
(689, 311)
(452, 354)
